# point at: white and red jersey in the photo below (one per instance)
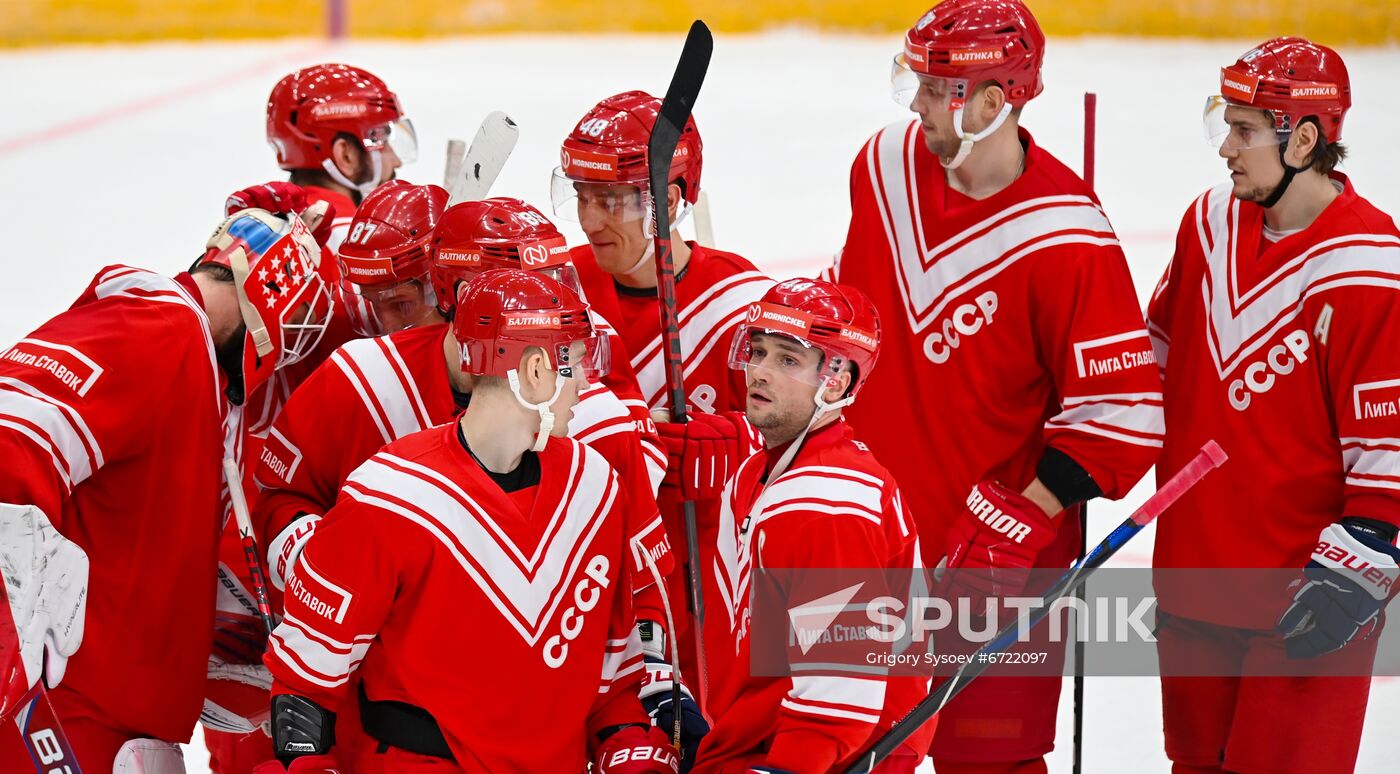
(483, 608)
(1287, 353)
(834, 507)
(1009, 324)
(375, 391)
(112, 421)
(712, 295)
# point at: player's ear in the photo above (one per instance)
(673, 200)
(837, 392)
(991, 101)
(1301, 144)
(346, 156)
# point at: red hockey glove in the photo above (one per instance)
(705, 452)
(282, 198)
(994, 544)
(636, 751)
(306, 764)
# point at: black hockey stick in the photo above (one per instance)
(1091, 102)
(1207, 459)
(661, 147)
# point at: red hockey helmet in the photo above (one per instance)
(310, 107)
(838, 320)
(390, 235)
(503, 312)
(282, 296)
(1289, 78)
(968, 42)
(499, 233)
(609, 145)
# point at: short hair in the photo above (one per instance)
(219, 272)
(1325, 155)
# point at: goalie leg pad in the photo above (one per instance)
(149, 756)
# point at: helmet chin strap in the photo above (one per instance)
(968, 140)
(546, 416)
(649, 232)
(823, 408)
(1288, 174)
(376, 160)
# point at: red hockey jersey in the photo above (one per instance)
(112, 421)
(374, 391)
(1288, 354)
(834, 507)
(427, 579)
(712, 295)
(1008, 325)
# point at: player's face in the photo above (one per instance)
(780, 389)
(398, 305)
(1251, 152)
(568, 397)
(612, 217)
(932, 101)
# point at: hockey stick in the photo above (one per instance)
(661, 146)
(452, 169)
(704, 227)
(1207, 459)
(484, 160)
(1091, 101)
(32, 717)
(250, 544)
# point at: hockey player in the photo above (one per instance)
(814, 497)
(492, 541)
(602, 182)
(384, 257)
(1276, 326)
(138, 491)
(374, 391)
(384, 262)
(341, 133)
(1022, 360)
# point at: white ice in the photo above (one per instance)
(117, 154)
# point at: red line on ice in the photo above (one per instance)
(118, 112)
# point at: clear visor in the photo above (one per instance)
(1234, 127)
(905, 85)
(783, 354)
(398, 136)
(588, 358)
(399, 304)
(580, 202)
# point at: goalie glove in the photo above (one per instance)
(45, 584)
(1343, 590)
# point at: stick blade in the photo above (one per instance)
(679, 102)
(485, 158)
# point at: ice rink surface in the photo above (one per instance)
(125, 154)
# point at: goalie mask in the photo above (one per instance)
(282, 298)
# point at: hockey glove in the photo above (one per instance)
(1346, 585)
(283, 550)
(636, 751)
(658, 701)
(45, 586)
(705, 452)
(282, 198)
(993, 545)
